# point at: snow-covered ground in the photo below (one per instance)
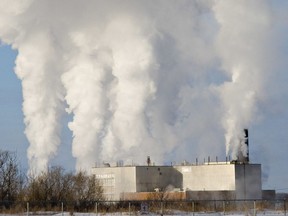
(184, 214)
(248, 213)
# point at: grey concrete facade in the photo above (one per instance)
(244, 179)
(149, 178)
(248, 181)
(241, 180)
(116, 180)
(208, 177)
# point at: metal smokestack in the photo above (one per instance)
(246, 142)
(243, 151)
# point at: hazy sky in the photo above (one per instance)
(177, 80)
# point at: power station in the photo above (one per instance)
(229, 180)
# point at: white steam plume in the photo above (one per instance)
(43, 96)
(243, 35)
(36, 66)
(87, 85)
(140, 78)
(133, 64)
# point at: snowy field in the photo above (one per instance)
(250, 213)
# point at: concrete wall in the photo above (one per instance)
(248, 181)
(148, 178)
(243, 179)
(269, 194)
(116, 180)
(210, 195)
(208, 177)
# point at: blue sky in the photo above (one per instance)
(12, 127)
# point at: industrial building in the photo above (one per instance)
(213, 180)
(227, 180)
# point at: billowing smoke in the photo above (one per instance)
(37, 66)
(241, 44)
(159, 78)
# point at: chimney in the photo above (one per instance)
(243, 152)
(246, 142)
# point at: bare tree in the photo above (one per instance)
(52, 186)
(56, 186)
(10, 177)
(87, 190)
(48, 188)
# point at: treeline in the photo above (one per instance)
(48, 188)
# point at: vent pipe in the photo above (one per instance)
(243, 151)
(148, 161)
(246, 142)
